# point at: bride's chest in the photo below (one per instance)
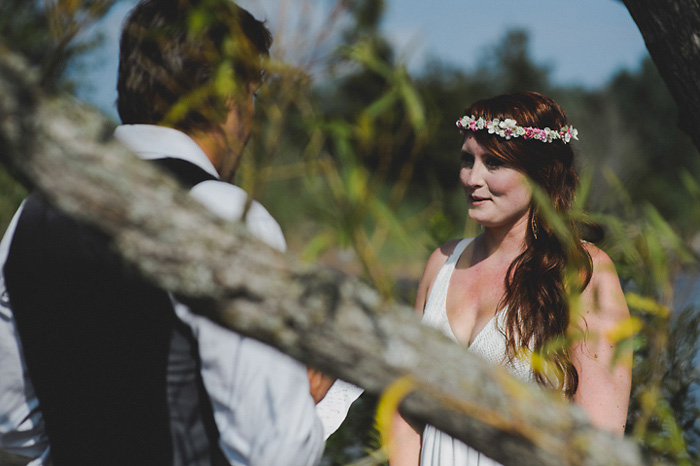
(473, 297)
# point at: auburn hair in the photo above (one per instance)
(536, 303)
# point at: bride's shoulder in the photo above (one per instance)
(599, 258)
(604, 294)
(441, 254)
(432, 268)
(448, 248)
(438, 258)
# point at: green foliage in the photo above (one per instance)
(646, 149)
(653, 260)
(11, 195)
(45, 32)
(367, 15)
(356, 438)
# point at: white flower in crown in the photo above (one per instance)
(548, 134)
(568, 133)
(509, 128)
(565, 135)
(492, 126)
(508, 123)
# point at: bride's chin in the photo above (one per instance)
(477, 219)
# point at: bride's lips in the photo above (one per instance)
(477, 200)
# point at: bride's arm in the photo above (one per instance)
(604, 382)
(405, 444)
(405, 437)
(404, 448)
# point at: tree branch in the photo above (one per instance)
(334, 323)
(671, 31)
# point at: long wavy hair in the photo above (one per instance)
(538, 311)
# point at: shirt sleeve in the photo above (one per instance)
(21, 423)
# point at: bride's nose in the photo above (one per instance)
(473, 176)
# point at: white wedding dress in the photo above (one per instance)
(438, 448)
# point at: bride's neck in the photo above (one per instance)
(505, 242)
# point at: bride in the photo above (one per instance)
(504, 293)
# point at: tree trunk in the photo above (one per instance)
(334, 323)
(671, 31)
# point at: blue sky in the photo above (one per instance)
(584, 42)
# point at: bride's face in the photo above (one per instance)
(497, 194)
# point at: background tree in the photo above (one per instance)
(46, 32)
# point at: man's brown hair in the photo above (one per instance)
(183, 62)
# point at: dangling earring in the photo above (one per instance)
(534, 226)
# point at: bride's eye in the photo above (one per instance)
(467, 160)
(493, 162)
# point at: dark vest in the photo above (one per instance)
(116, 373)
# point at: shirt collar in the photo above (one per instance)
(152, 142)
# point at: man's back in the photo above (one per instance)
(97, 341)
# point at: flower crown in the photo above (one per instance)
(508, 128)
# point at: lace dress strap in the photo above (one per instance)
(435, 312)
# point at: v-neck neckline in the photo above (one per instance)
(476, 337)
(479, 333)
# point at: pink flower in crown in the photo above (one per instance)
(565, 134)
(463, 123)
(472, 125)
(573, 132)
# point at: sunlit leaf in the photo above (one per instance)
(624, 329)
(646, 305)
(387, 406)
(319, 244)
(414, 106)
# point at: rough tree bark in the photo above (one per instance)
(334, 323)
(671, 31)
